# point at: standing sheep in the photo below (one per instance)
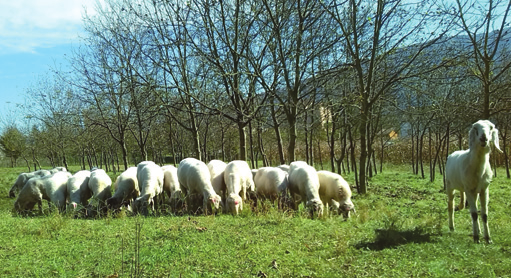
(78, 191)
(100, 186)
(469, 172)
(22, 180)
(271, 183)
(195, 178)
(172, 187)
(332, 187)
(303, 181)
(126, 189)
(51, 188)
(150, 182)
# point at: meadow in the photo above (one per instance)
(400, 230)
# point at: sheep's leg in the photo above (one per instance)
(450, 208)
(461, 206)
(485, 198)
(472, 201)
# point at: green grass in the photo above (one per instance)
(399, 230)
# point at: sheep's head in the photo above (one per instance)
(316, 207)
(234, 204)
(12, 194)
(215, 201)
(482, 133)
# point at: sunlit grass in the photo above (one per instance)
(399, 230)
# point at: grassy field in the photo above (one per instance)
(400, 230)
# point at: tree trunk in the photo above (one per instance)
(276, 127)
(363, 147)
(242, 144)
(251, 140)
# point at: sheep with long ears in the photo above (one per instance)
(469, 172)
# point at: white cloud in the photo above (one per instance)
(26, 25)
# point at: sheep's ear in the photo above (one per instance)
(495, 139)
(472, 137)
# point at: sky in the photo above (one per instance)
(35, 36)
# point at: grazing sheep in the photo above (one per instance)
(332, 187)
(78, 191)
(22, 180)
(216, 170)
(238, 178)
(303, 181)
(100, 186)
(51, 188)
(125, 188)
(271, 183)
(172, 187)
(150, 182)
(469, 172)
(195, 178)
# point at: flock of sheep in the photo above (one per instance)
(192, 187)
(195, 186)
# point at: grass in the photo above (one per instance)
(400, 229)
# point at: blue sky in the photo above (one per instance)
(35, 35)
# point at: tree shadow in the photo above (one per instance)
(392, 238)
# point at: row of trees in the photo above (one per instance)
(332, 82)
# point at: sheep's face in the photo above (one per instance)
(316, 208)
(215, 201)
(233, 204)
(482, 133)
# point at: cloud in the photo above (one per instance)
(26, 25)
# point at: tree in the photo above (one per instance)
(384, 44)
(12, 144)
(485, 24)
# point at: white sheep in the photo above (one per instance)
(172, 187)
(216, 171)
(195, 178)
(238, 178)
(469, 172)
(126, 189)
(303, 181)
(22, 180)
(234, 204)
(51, 188)
(100, 185)
(78, 191)
(332, 187)
(150, 182)
(238, 181)
(271, 183)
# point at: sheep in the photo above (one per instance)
(234, 204)
(22, 180)
(238, 180)
(125, 188)
(172, 187)
(100, 186)
(150, 182)
(469, 172)
(216, 171)
(304, 181)
(78, 191)
(51, 188)
(332, 187)
(194, 177)
(271, 183)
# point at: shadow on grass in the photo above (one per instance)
(391, 238)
